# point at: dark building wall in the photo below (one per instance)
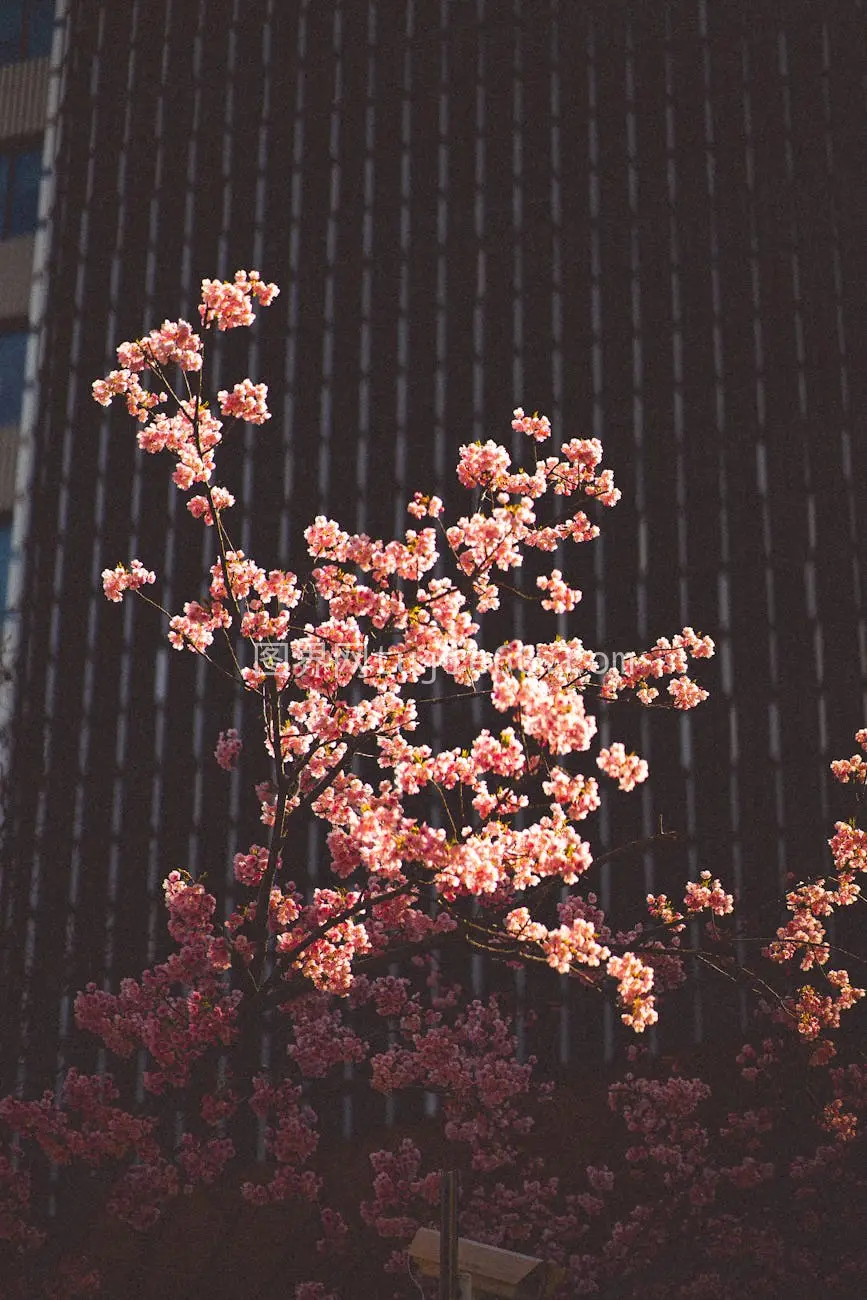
(645, 221)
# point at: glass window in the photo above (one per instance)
(11, 30)
(23, 200)
(13, 353)
(40, 29)
(25, 29)
(20, 174)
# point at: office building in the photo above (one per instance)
(25, 38)
(646, 221)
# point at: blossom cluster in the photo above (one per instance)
(804, 936)
(664, 659)
(628, 770)
(247, 401)
(228, 750)
(116, 581)
(229, 305)
(708, 893)
(853, 769)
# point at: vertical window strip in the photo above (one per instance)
(52, 650)
(678, 420)
(403, 317)
(188, 295)
(441, 365)
(845, 424)
(94, 600)
(594, 203)
(517, 220)
(761, 458)
(441, 361)
(364, 361)
(296, 194)
(362, 454)
(149, 306)
(84, 741)
(518, 343)
(161, 672)
(436, 712)
(235, 812)
(719, 388)
(201, 743)
(480, 174)
(199, 749)
(686, 721)
(156, 862)
(25, 459)
(216, 359)
(724, 639)
(637, 350)
(477, 965)
(638, 432)
(262, 151)
(794, 232)
(795, 239)
(150, 295)
(226, 167)
(556, 206)
(252, 433)
(155, 850)
(519, 441)
(564, 1025)
(798, 324)
(556, 225)
(836, 259)
(710, 173)
(23, 484)
(845, 403)
(331, 233)
(479, 177)
(441, 377)
(859, 587)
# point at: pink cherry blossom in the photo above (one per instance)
(247, 401)
(536, 426)
(708, 894)
(116, 581)
(685, 693)
(561, 598)
(229, 305)
(628, 770)
(229, 746)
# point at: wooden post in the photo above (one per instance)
(449, 1282)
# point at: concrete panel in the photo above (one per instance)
(16, 270)
(8, 446)
(23, 98)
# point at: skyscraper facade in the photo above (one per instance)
(647, 221)
(25, 42)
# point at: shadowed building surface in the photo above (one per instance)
(645, 221)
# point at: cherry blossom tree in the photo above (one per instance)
(429, 850)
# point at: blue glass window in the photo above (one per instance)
(25, 29)
(20, 174)
(40, 29)
(13, 352)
